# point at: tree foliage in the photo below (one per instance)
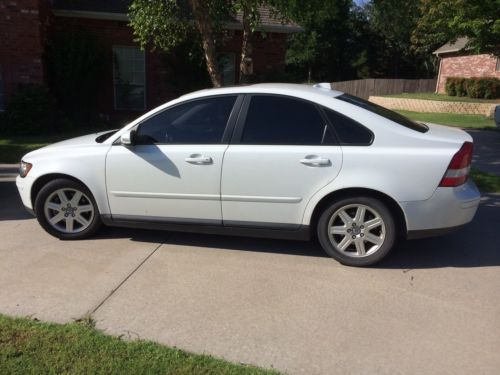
(328, 47)
(441, 21)
(164, 24)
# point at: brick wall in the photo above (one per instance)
(466, 66)
(416, 105)
(268, 51)
(22, 24)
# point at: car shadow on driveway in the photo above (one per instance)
(11, 207)
(475, 245)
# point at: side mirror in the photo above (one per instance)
(128, 138)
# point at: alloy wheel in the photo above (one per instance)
(69, 210)
(356, 230)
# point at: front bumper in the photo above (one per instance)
(24, 187)
(446, 210)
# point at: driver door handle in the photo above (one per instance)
(199, 159)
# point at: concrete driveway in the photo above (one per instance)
(432, 307)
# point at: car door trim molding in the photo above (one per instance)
(251, 198)
(210, 197)
(135, 194)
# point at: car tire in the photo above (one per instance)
(357, 231)
(67, 210)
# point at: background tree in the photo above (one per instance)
(251, 21)
(441, 21)
(164, 24)
(330, 44)
(392, 22)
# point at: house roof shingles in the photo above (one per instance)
(456, 46)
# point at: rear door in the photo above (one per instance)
(283, 151)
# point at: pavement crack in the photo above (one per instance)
(92, 312)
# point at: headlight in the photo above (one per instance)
(24, 168)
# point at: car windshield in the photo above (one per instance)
(384, 112)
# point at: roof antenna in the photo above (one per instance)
(323, 86)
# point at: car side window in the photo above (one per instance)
(278, 120)
(200, 121)
(348, 131)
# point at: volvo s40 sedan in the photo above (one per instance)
(275, 160)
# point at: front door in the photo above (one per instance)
(173, 170)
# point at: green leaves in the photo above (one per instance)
(446, 20)
(159, 23)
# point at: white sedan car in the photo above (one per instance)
(275, 160)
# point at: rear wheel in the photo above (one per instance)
(357, 231)
(66, 209)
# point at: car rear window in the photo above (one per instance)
(384, 112)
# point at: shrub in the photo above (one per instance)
(32, 110)
(480, 88)
(460, 87)
(450, 86)
(473, 88)
(491, 88)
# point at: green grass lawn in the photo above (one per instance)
(32, 347)
(452, 119)
(12, 148)
(440, 97)
(486, 182)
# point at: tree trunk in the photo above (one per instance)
(204, 25)
(246, 64)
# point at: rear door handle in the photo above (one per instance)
(199, 159)
(315, 161)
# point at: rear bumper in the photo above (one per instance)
(447, 210)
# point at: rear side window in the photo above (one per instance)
(384, 112)
(277, 120)
(348, 131)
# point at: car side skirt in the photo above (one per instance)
(263, 230)
(427, 233)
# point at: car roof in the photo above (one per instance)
(291, 89)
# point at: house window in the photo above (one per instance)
(498, 64)
(129, 78)
(2, 100)
(227, 67)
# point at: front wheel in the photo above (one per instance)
(67, 210)
(357, 231)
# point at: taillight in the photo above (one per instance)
(459, 168)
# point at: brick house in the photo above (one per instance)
(455, 61)
(27, 25)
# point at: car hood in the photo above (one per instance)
(82, 141)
